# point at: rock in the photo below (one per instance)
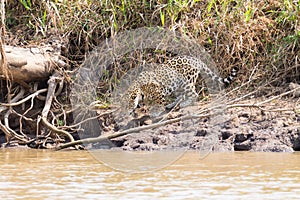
(201, 132)
(239, 138)
(223, 146)
(242, 146)
(226, 134)
(272, 148)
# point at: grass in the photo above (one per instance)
(247, 34)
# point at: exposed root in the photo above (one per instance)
(56, 130)
(25, 99)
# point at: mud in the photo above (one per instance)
(271, 128)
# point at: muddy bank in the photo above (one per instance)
(274, 128)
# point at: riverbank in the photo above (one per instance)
(261, 39)
(247, 127)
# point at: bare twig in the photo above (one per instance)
(23, 115)
(279, 96)
(12, 132)
(7, 130)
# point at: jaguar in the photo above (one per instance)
(176, 77)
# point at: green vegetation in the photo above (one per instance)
(259, 37)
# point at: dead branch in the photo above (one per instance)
(279, 96)
(12, 132)
(52, 83)
(129, 131)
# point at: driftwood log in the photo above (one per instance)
(28, 64)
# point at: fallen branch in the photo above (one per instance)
(126, 132)
(279, 96)
(52, 83)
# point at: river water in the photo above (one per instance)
(44, 174)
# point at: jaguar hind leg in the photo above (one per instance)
(190, 96)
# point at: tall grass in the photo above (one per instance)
(252, 34)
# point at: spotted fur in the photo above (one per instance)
(178, 77)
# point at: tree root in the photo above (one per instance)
(56, 130)
(54, 80)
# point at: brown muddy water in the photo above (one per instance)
(44, 174)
